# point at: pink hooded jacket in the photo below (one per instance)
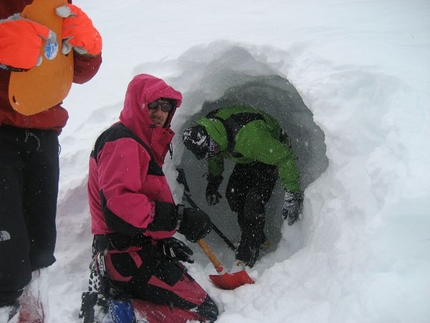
(121, 169)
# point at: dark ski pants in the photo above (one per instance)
(144, 273)
(29, 172)
(249, 188)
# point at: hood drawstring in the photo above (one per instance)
(171, 150)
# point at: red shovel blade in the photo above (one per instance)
(226, 280)
(231, 281)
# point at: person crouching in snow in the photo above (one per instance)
(255, 141)
(134, 216)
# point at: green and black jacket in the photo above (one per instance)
(246, 135)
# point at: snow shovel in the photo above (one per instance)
(224, 280)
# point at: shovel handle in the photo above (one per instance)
(214, 260)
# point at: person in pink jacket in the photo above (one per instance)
(134, 216)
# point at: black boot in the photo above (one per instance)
(248, 250)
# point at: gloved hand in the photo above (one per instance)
(195, 224)
(175, 249)
(78, 31)
(20, 43)
(293, 203)
(168, 216)
(212, 194)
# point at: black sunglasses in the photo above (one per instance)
(165, 105)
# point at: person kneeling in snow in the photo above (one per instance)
(260, 148)
(134, 216)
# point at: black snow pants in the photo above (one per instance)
(249, 188)
(29, 173)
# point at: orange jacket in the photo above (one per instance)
(56, 117)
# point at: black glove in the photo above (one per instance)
(212, 194)
(195, 224)
(293, 203)
(175, 249)
(166, 217)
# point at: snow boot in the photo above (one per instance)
(121, 311)
(34, 299)
(248, 250)
(238, 265)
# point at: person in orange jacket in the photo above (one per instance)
(29, 154)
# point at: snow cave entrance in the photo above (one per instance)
(226, 82)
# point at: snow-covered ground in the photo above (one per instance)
(362, 250)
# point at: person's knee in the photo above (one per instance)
(235, 199)
(255, 205)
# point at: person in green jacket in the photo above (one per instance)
(260, 148)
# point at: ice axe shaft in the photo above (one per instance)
(182, 180)
(218, 231)
(224, 238)
(214, 227)
(224, 280)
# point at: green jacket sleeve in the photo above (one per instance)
(216, 166)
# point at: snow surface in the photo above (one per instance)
(362, 250)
